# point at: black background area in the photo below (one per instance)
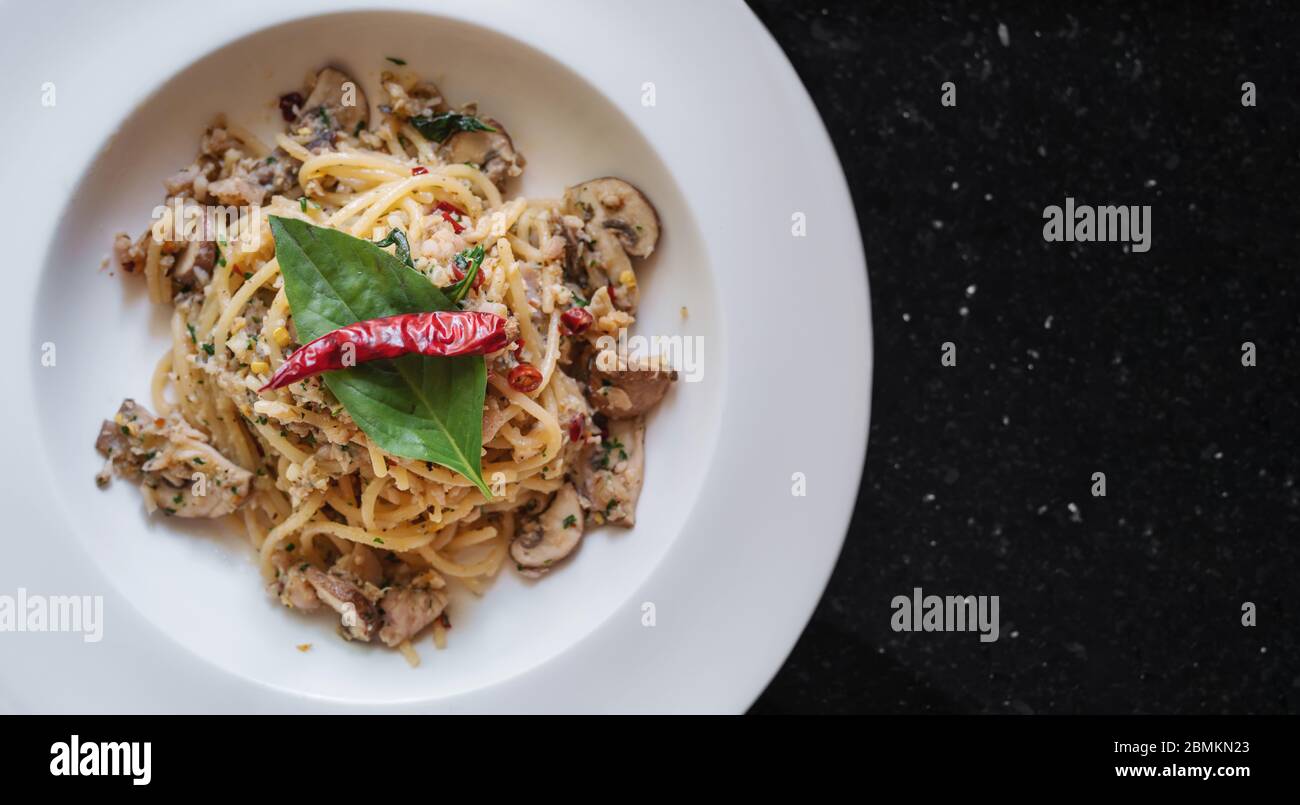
(1072, 358)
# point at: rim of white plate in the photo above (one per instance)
(752, 560)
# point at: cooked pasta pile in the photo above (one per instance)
(337, 522)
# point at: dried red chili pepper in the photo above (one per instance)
(442, 333)
(524, 378)
(576, 319)
(447, 208)
(419, 170)
(289, 106)
(575, 428)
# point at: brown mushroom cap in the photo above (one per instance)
(618, 207)
(628, 392)
(493, 151)
(344, 110)
(344, 597)
(553, 536)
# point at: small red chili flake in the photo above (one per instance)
(419, 171)
(576, 319)
(459, 275)
(575, 429)
(525, 378)
(290, 105)
(448, 209)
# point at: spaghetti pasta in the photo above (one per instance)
(338, 522)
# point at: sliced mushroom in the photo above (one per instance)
(551, 536)
(618, 222)
(358, 614)
(613, 471)
(423, 97)
(619, 207)
(291, 585)
(164, 455)
(630, 391)
(493, 151)
(407, 609)
(336, 103)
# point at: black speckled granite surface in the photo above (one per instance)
(1072, 358)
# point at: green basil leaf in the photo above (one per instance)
(416, 406)
(439, 127)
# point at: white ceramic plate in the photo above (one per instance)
(730, 151)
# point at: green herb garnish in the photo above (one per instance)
(397, 237)
(439, 127)
(468, 261)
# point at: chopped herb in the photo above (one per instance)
(177, 500)
(378, 541)
(570, 521)
(324, 116)
(208, 348)
(397, 61)
(198, 461)
(270, 160)
(468, 261)
(248, 275)
(580, 302)
(397, 238)
(439, 127)
(193, 338)
(289, 547)
(126, 431)
(302, 203)
(262, 420)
